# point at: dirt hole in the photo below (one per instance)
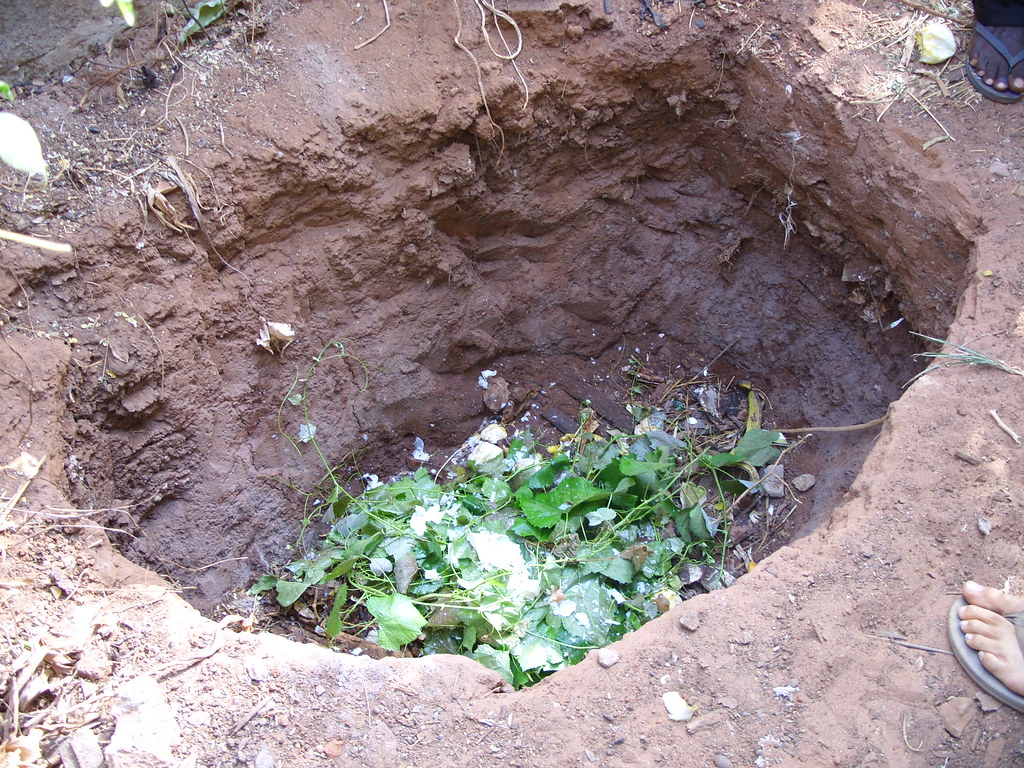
(667, 221)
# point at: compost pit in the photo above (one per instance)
(651, 211)
(636, 209)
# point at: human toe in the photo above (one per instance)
(991, 599)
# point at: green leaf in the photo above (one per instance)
(541, 512)
(536, 653)
(6, 91)
(545, 478)
(601, 515)
(757, 447)
(263, 584)
(201, 15)
(290, 591)
(399, 619)
(333, 626)
(631, 467)
(494, 659)
(496, 492)
(528, 531)
(616, 568)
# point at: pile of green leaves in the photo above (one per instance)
(527, 560)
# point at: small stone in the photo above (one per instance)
(710, 720)
(689, 621)
(82, 750)
(956, 714)
(745, 638)
(715, 579)
(145, 729)
(199, 717)
(257, 669)
(691, 573)
(95, 664)
(700, 24)
(591, 756)
(264, 759)
(804, 482)
(721, 761)
(773, 482)
(497, 396)
(334, 749)
(994, 752)
(999, 168)
(729, 702)
(866, 551)
(988, 703)
(606, 657)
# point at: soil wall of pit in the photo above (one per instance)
(633, 199)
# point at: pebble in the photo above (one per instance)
(774, 483)
(606, 657)
(264, 759)
(999, 168)
(988, 703)
(82, 750)
(690, 621)
(710, 720)
(804, 482)
(257, 669)
(145, 729)
(691, 573)
(729, 702)
(956, 714)
(715, 579)
(199, 718)
(721, 761)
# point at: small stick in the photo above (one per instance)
(35, 242)
(247, 718)
(907, 741)
(926, 9)
(848, 428)
(917, 647)
(922, 105)
(30, 470)
(387, 18)
(1002, 425)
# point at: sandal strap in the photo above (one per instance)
(999, 45)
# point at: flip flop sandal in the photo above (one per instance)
(969, 660)
(986, 90)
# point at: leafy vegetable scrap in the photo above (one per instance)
(526, 559)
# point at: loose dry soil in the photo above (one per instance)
(741, 186)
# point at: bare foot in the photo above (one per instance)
(994, 637)
(990, 64)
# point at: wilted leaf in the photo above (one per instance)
(275, 337)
